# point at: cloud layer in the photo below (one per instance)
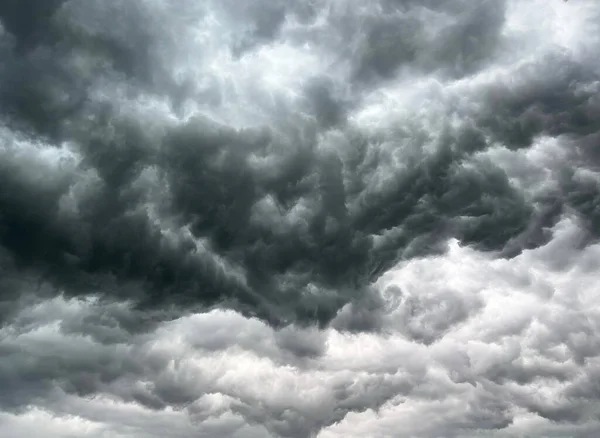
(299, 219)
(467, 344)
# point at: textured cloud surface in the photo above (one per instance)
(327, 218)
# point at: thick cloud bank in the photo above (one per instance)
(327, 218)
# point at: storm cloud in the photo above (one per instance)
(299, 219)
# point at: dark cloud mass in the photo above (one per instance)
(299, 219)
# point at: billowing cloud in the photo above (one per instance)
(299, 219)
(467, 343)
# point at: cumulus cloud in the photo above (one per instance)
(299, 219)
(468, 343)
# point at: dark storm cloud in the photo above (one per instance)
(554, 103)
(278, 158)
(560, 103)
(29, 21)
(437, 191)
(214, 190)
(210, 184)
(434, 36)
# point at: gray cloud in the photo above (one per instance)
(236, 217)
(491, 371)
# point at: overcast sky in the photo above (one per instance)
(299, 218)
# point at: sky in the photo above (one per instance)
(300, 218)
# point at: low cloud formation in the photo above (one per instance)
(467, 344)
(299, 219)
